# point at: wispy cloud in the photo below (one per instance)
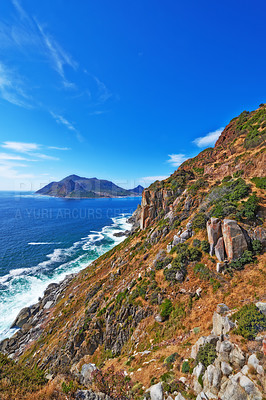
(58, 56)
(21, 147)
(7, 157)
(209, 139)
(58, 148)
(25, 148)
(104, 93)
(12, 89)
(63, 121)
(176, 159)
(45, 156)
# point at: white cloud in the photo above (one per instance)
(209, 139)
(21, 147)
(176, 159)
(6, 157)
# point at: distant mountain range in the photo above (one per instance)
(76, 187)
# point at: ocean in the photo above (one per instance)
(43, 239)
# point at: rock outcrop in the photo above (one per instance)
(228, 377)
(227, 239)
(234, 239)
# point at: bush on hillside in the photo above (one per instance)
(256, 246)
(199, 221)
(166, 308)
(250, 321)
(205, 246)
(259, 182)
(206, 354)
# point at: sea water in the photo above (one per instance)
(43, 239)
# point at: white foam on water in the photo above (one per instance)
(42, 243)
(23, 286)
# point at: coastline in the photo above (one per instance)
(32, 309)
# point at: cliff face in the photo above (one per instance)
(197, 241)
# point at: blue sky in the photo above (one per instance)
(122, 90)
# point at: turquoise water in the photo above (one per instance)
(42, 239)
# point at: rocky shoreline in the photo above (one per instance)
(31, 320)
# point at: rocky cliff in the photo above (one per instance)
(148, 319)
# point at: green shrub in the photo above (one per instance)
(246, 258)
(185, 367)
(195, 187)
(256, 246)
(250, 321)
(205, 246)
(199, 221)
(170, 359)
(250, 207)
(206, 354)
(166, 308)
(259, 182)
(196, 243)
(238, 173)
(194, 254)
(202, 271)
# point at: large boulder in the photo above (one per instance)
(219, 249)
(221, 324)
(234, 239)
(156, 391)
(22, 318)
(214, 232)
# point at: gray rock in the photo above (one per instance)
(186, 234)
(219, 267)
(237, 357)
(212, 379)
(234, 239)
(262, 307)
(156, 391)
(179, 397)
(86, 373)
(226, 368)
(198, 370)
(48, 305)
(220, 250)
(179, 276)
(22, 318)
(158, 318)
(214, 232)
(230, 390)
(176, 240)
(222, 308)
(221, 324)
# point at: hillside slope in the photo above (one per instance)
(198, 240)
